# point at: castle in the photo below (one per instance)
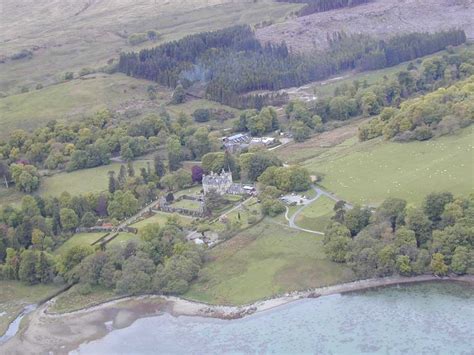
(221, 183)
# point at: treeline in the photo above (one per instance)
(313, 6)
(93, 142)
(396, 239)
(383, 97)
(30, 235)
(232, 62)
(441, 112)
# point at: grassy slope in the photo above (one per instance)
(317, 215)
(83, 239)
(263, 261)
(15, 295)
(70, 101)
(371, 171)
(72, 39)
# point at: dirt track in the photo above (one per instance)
(380, 18)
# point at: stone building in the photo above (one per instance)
(221, 183)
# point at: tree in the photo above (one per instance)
(69, 219)
(461, 260)
(434, 203)
(29, 207)
(25, 177)
(213, 162)
(175, 153)
(73, 257)
(403, 265)
(417, 221)
(130, 169)
(437, 265)
(37, 238)
(179, 95)
(300, 131)
(213, 200)
(272, 207)
(356, 219)
(27, 270)
(202, 115)
(88, 220)
(159, 166)
(392, 210)
(182, 178)
(112, 182)
(197, 173)
(336, 242)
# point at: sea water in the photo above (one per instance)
(428, 318)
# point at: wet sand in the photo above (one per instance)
(60, 333)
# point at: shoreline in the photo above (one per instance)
(60, 333)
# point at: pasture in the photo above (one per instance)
(371, 171)
(263, 261)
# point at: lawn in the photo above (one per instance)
(162, 218)
(317, 215)
(263, 261)
(187, 204)
(123, 238)
(14, 296)
(371, 171)
(82, 181)
(78, 239)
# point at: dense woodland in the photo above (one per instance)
(385, 97)
(232, 62)
(441, 112)
(93, 142)
(397, 239)
(313, 6)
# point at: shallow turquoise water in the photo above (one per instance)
(434, 318)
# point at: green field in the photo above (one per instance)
(123, 238)
(78, 239)
(317, 215)
(371, 171)
(82, 181)
(162, 218)
(14, 296)
(264, 261)
(187, 204)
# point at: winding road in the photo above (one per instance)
(319, 192)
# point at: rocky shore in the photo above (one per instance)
(45, 332)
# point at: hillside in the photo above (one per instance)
(380, 18)
(69, 35)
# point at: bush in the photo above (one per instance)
(137, 38)
(22, 54)
(202, 115)
(68, 75)
(423, 133)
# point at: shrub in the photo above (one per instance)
(202, 115)
(137, 38)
